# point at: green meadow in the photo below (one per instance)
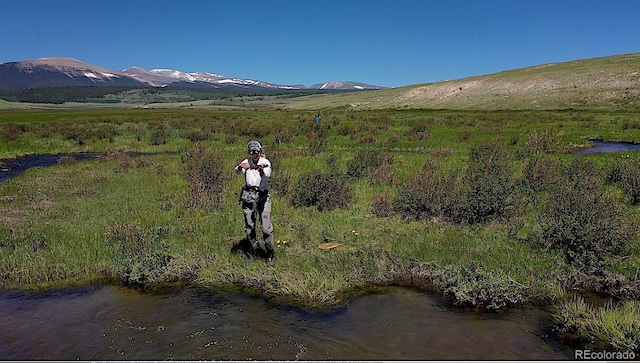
(488, 208)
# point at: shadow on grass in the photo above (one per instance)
(244, 246)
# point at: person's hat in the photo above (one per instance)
(253, 146)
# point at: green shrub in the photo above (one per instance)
(625, 173)
(540, 173)
(124, 159)
(486, 184)
(422, 197)
(206, 175)
(543, 142)
(382, 206)
(138, 131)
(11, 131)
(324, 190)
(582, 220)
(366, 163)
(317, 136)
(160, 135)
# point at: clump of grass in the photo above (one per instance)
(476, 287)
(613, 325)
(66, 160)
(620, 327)
(140, 259)
(121, 156)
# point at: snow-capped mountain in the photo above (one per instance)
(69, 72)
(59, 72)
(169, 77)
(345, 85)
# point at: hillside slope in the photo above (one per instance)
(598, 83)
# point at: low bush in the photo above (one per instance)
(540, 173)
(160, 135)
(317, 136)
(582, 220)
(423, 196)
(382, 206)
(11, 131)
(324, 190)
(625, 173)
(207, 176)
(486, 185)
(368, 162)
(543, 142)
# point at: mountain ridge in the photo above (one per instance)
(68, 72)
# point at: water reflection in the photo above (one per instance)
(113, 323)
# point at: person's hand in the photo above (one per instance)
(244, 165)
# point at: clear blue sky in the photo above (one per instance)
(381, 42)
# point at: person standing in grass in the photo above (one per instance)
(255, 198)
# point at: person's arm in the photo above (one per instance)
(266, 169)
(242, 167)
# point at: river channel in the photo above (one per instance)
(115, 323)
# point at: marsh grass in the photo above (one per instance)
(614, 324)
(174, 218)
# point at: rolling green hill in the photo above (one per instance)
(599, 83)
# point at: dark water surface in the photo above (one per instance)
(608, 147)
(113, 323)
(13, 167)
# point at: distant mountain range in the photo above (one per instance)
(69, 72)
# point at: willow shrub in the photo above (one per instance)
(206, 175)
(625, 173)
(487, 184)
(426, 195)
(372, 164)
(323, 190)
(581, 219)
(478, 194)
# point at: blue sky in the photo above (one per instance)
(381, 42)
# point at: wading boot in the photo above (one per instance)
(270, 256)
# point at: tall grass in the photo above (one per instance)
(615, 324)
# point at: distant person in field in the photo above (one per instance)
(255, 198)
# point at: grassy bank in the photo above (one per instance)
(453, 202)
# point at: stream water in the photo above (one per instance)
(114, 323)
(608, 147)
